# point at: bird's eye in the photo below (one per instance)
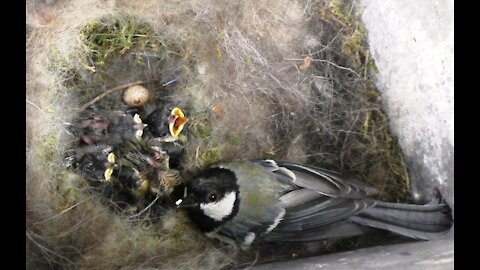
(164, 134)
(212, 197)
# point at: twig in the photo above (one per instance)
(146, 208)
(334, 17)
(307, 5)
(46, 250)
(329, 43)
(64, 211)
(120, 87)
(170, 82)
(344, 146)
(35, 106)
(405, 171)
(367, 56)
(328, 62)
(252, 263)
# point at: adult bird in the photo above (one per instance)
(251, 201)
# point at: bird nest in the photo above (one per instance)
(276, 79)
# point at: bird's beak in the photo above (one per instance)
(111, 158)
(111, 164)
(139, 126)
(176, 122)
(188, 201)
(108, 174)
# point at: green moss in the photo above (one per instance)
(354, 42)
(58, 61)
(210, 144)
(48, 150)
(232, 137)
(114, 51)
(377, 157)
(65, 193)
(211, 155)
(182, 139)
(373, 152)
(116, 36)
(339, 9)
(202, 130)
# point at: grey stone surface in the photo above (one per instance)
(412, 44)
(421, 256)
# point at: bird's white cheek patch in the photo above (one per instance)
(220, 209)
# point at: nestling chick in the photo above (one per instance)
(93, 162)
(114, 153)
(152, 165)
(246, 202)
(133, 183)
(110, 127)
(166, 123)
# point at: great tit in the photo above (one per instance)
(95, 163)
(166, 123)
(110, 127)
(150, 164)
(247, 202)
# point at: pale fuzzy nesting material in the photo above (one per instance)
(240, 52)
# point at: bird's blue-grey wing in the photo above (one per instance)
(319, 204)
(322, 181)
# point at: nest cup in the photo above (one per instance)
(256, 79)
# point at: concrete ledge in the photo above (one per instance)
(432, 255)
(412, 44)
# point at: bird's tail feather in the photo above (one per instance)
(416, 221)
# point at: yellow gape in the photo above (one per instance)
(179, 120)
(111, 164)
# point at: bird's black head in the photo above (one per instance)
(158, 122)
(211, 198)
